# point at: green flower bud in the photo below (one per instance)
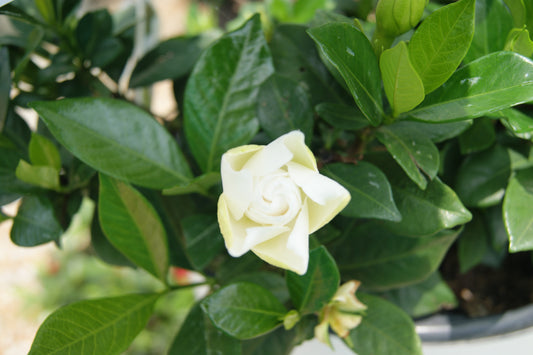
(394, 17)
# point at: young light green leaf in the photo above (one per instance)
(518, 11)
(5, 84)
(384, 330)
(132, 225)
(441, 41)
(479, 88)
(203, 240)
(351, 54)
(244, 310)
(370, 190)
(221, 93)
(403, 86)
(42, 176)
(198, 336)
(480, 136)
(35, 222)
(391, 260)
(341, 116)
(118, 139)
(519, 41)
(283, 105)
(43, 152)
(313, 290)
(483, 177)
(411, 150)
(423, 298)
(100, 326)
(517, 215)
(492, 24)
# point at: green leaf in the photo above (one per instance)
(295, 56)
(170, 59)
(492, 24)
(244, 310)
(525, 177)
(519, 41)
(384, 330)
(479, 88)
(132, 225)
(35, 222)
(473, 244)
(341, 116)
(100, 326)
(350, 52)
(480, 136)
(517, 215)
(403, 86)
(370, 190)
(199, 184)
(275, 283)
(313, 290)
(92, 29)
(441, 41)
(438, 132)
(203, 240)
(103, 247)
(383, 260)
(517, 121)
(118, 139)
(518, 11)
(197, 336)
(423, 298)
(304, 10)
(3, 217)
(412, 151)
(283, 105)
(5, 85)
(42, 176)
(483, 177)
(221, 94)
(43, 152)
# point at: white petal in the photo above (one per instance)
(319, 215)
(238, 156)
(299, 238)
(295, 141)
(275, 252)
(258, 235)
(269, 159)
(319, 188)
(237, 186)
(234, 232)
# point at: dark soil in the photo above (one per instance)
(484, 290)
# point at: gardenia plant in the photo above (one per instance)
(338, 149)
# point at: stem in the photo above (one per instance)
(184, 287)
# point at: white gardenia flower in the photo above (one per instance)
(273, 198)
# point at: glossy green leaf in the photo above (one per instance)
(383, 260)
(283, 105)
(341, 116)
(423, 298)
(92, 29)
(244, 310)
(350, 52)
(517, 215)
(517, 121)
(441, 41)
(519, 41)
(438, 132)
(473, 244)
(221, 94)
(5, 85)
(273, 282)
(313, 290)
(198, 336)
(203, 240)
(384, 330)
(483, 177)
(132, 225)
(480, 136)
(199, 184)
(479, 88)
(412, 151)
(42, 176)
(170, 59)
(295, 56)
(403, 86)
(116, 138)
(35, 222)
(492, 24)
(525, 177)
(425, 212)
(100, 326)
(43, 152)
(370, 190)
(103, 247)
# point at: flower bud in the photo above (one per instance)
(394, 17)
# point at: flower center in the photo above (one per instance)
(276, 199)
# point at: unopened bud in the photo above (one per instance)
(394, 17)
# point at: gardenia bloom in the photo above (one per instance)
(343, 313)
(273, 198)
